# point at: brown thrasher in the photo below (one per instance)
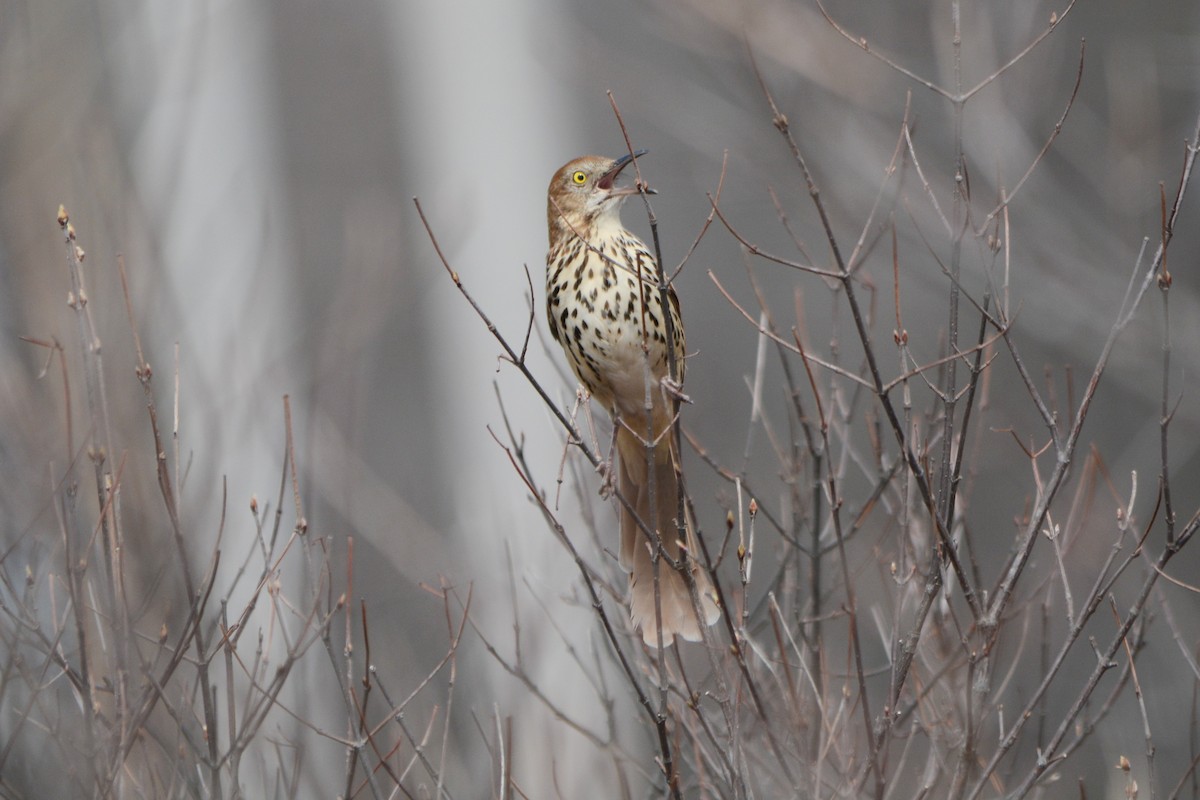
(605, 309)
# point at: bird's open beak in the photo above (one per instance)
(607, 179)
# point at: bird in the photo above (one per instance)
(605, 309)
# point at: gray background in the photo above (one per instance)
(255, 164)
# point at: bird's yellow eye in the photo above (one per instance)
(579, 177)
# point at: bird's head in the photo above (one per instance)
(583, 193)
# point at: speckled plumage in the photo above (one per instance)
(604, 307)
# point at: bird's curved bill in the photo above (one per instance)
(608, 178)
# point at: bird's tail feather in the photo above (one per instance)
(678, 613)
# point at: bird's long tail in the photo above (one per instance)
(678, 613)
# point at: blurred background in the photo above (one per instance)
(255, 165)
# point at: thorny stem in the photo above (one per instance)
(961, 200)
(684, 568)
(835, 505)
(674, 372)
(816, 454)
(100, 452)
(165, 484)
(1164, 422)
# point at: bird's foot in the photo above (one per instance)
(608, 486)
(674, 389)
